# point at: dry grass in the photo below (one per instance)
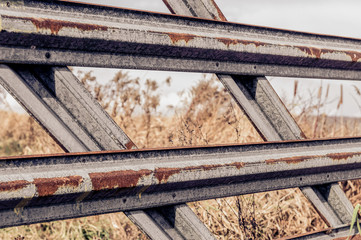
(208, 116)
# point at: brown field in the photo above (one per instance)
(209, 116)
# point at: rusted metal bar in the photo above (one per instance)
(62, 33)
(341, 233)
(268, 114)
(74, 185)
(59, 102)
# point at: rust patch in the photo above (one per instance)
(290, 160)
(355, 56)
(238, 165)
(168, 6)
(311, 51)
(202, 167)
(340, 156)
(175, 37)
(230, 41)
(13, 185)
(130, 145)
(117, 179)
(163, 174)
(48, 186)
(56, 25)
(220, 14)
(210, 167)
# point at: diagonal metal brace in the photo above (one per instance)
(61, 104)
(270, 117)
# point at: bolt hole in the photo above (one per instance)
(217, 64)
(173, 195)
(328, 175)
(8, 4)
(300, 179)
(254, 67)
(47, 55)
(124, 200)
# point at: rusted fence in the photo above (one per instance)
(38, 39)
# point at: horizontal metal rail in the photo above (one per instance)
(61, 33)
(43, 188)
(340, 233)
(61, 104)
(270, 117)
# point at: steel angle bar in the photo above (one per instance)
(341, 233)
(56, 98)
(65, 57)
(268, 114)
(271, 118)
(74, 185)
(59, 102)
(36, 100)
(47, 28)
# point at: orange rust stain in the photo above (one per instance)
(238, 165)
(203, 167)
(13, 185)
(168, 6)
(175, 37)
(230, 41)
(129, 145)
(220, 14)
(163, 174)
(56, 25)
(290, 160)
(355, 56)
(209, 167)
(316, 52)
(117, 179)
(311, 51)
(48, 186)
(340, 156)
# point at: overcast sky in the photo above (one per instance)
(332, 17)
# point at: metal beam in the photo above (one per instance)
(273, 121)
(48, 32)
(268, 114)
(59, 102)
(74, 185)
(341, 233)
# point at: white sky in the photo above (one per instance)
(332, 17)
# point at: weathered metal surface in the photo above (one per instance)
(339, 233)
(197, 8)
(192, 174)
(270, 117)
(56, 98)
(100, 31)
(67, 111)
(120, 180)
